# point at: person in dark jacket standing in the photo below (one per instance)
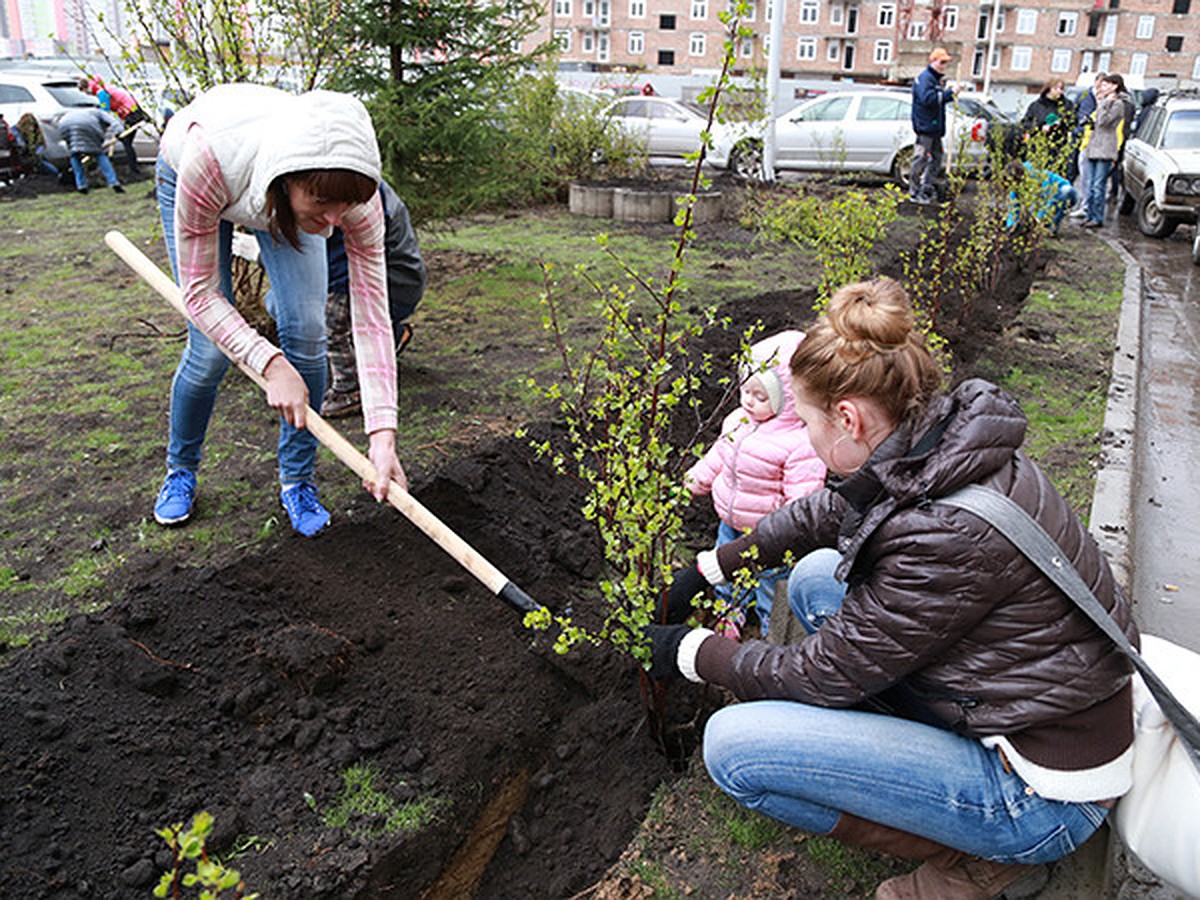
(1051, 118)
(84, 129)
(405, 287)
(929, 100)
(929, 716)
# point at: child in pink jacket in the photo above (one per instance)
(762, 460)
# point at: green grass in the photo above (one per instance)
(370, 812)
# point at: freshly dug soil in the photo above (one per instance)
(247, 691)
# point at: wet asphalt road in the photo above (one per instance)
(1165, 501)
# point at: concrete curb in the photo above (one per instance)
(1111, 516)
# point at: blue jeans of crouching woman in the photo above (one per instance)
(804, 765)
(296, 302)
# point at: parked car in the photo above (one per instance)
(855, 131)
(47, 95)
(666, 127)
(1160, 177)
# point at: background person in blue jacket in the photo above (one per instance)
(929, 122)
(405, 286)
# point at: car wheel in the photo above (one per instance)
(746, 161)
(1150, 219)
(1127, 202)
(902, 166)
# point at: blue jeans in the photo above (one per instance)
(813, 593)
(764, 592)
(805, 765)
(296, 302)
(1096, 175)
(103, 163)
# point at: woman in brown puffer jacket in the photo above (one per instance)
(957, 708)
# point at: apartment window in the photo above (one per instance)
(886, 17)
(837, 13)
(666, 23)
(950, 18)
(848, 56)
(562, 39)
(751, 11)
(699, 9)
(981, 30)
(1068, 24)
(1145, 27)
(833, 51)
(766, 42)
(916, 31)
(977, 64)
(806, 48)
(587, 43)
(589, 8)
(666, 57)
(1087, 61)
(1174, 43)
(696, 44)
(769, 12)
(1093, 25)
(602, 47)
(1022, 58)
(1060, 60)
(810, 12)
(1196, 69)
(1182, 6)
(1110, 33)
(1104, 64)
(604, 14)
(1137, 63)
(1026, 21)
(637, 43)
(562, 9)
(852, 19)
(746, 45)
(637, 9)
(883, 53)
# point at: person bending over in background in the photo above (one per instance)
(85, 129)
(290, 168)
(120, 103)
(762, 460)
(928, 716)
(405, 287)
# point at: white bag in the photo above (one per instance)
(1159, 819)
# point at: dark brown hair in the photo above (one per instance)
(866, 345)
(336, 185)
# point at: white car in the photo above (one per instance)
(665, 127)
(853, 131)
(47, 95)
(1160, 176)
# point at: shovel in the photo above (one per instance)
(466, 556)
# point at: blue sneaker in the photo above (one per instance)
(303, 508)
(175, 498)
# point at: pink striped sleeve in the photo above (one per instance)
(371, 324)
(200, 198)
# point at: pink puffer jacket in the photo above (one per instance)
(754, 468)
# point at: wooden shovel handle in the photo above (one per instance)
(466, 556)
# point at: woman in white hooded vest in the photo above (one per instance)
(290, 168)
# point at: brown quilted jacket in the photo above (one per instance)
(942, 611)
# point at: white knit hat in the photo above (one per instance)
(770, 382)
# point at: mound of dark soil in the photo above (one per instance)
(248, 690)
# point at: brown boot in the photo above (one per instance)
(971, 878)
(869, 835)
(948, 874)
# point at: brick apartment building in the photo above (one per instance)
(871, 41)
